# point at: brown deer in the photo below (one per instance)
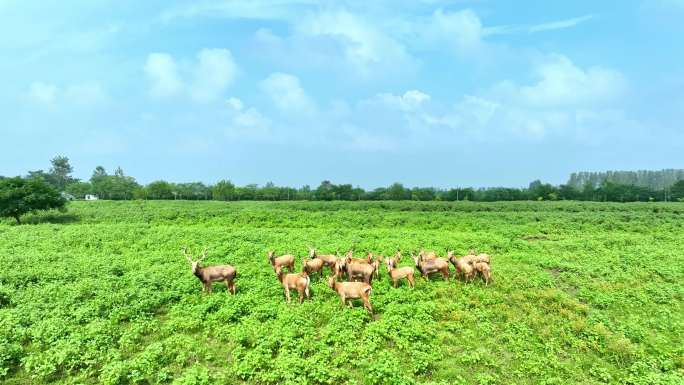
(484, 270)
(472, 258)
(352, 290)
(279, 262)
(432, 265)
(328, 260)
(314, 265)
(361, 271)
(427, 256)
(463, 267)
(397, 273)
(350, 259)
(376, 266)
(298, 281)
(209, 274)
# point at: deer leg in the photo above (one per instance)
(300, 291)
(232, 287)
(342, 300)
(287, 293)
(367, 305)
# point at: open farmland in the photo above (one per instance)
(583, 293)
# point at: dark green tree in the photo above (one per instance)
(677, 190)
(224, 190)
(61, 172)
(159, 190)
(19, 196)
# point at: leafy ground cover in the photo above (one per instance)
(583, 293)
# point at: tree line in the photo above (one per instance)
(581, 186)
(654, 180)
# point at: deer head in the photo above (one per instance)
(195, 265)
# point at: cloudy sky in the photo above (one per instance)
(440, 93)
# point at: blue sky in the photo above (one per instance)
(431, 93)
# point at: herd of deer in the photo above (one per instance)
(359, 271)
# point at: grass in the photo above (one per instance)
(585, 293)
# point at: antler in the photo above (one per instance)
(204, 254)
(184, 249)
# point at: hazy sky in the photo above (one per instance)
(440, 93)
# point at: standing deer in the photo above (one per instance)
(350, 259)
(463, 266)
(484, 270)
(363, 271)
(352, 290)
(298, 281)
(209, 274)
(432, 265)
(376, 266)
(314, 265)
(279, 262)
(397, 273)
(328, 260)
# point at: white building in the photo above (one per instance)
(91, 197)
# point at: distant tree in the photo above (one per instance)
(79, 189)
(542, 191)
(325, 191)
(677, 190)
(100, 182)
(397, 192)
(305, 193)
(61, 172)
(159, 190)
(423, 194)
(224, 190)
(19, 196)
(344, 192)
(42, 175)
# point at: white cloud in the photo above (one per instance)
(214, 72)
(365, 46)
(461, 30)
(42, 92)
(163, 74)
(204, 80)
(234, 103)
(560, 24)
(246, 121)
(287, 94)
(562, 83)
(564, 99)
(410, 101)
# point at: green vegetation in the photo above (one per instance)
(585, 293)
(19, 196)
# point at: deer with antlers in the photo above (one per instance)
(209, 274)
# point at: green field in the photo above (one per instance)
(584, 293)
